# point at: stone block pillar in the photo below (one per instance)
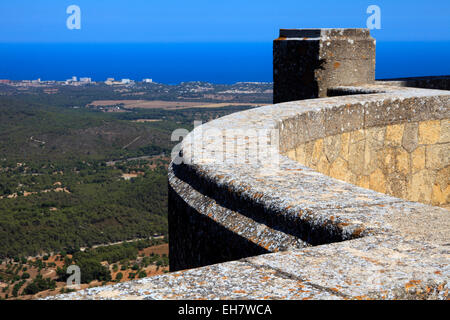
(306, 62)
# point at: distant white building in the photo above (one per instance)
(126, 81)
(147, 80)
(86, 80)
(74, 79)
(109, 81)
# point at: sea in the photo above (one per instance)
(172, 63)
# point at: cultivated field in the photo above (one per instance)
(168, 105)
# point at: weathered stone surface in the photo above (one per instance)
(314, 237)
(301, 193)
(445, 131)
(437, 156)
(368, 268)
(402, 162)
(428, 82)
(387, 156)
(309, 62)
(440, 196)
(332, 147)
(356, 157)
(443, 178)
(317, 152)
(393, 149)
(429, 132)
(421, 186)
(397, 185)
(394, 134)
(410, 137)
(339, 169)
(345, 145)
(371, 152)
(300, 154)
(418, 159)
(377, 181)
(375, 137)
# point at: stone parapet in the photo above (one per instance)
(307, 62)
(296, 233)
(285, 205)
(289, 191)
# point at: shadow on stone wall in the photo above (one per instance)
(198, 240)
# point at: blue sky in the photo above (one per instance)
(215, 20)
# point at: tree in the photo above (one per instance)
(93, 270)
(39, 284)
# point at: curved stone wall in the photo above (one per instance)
(299, 234)
(409, 160)
(294, 231)
(232, 202)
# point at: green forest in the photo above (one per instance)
(62, 171)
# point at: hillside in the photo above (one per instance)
(75, 176)
(65, 181)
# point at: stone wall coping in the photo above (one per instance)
(293, 190)
(328, 33)
(393, 249)
(366, 268)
